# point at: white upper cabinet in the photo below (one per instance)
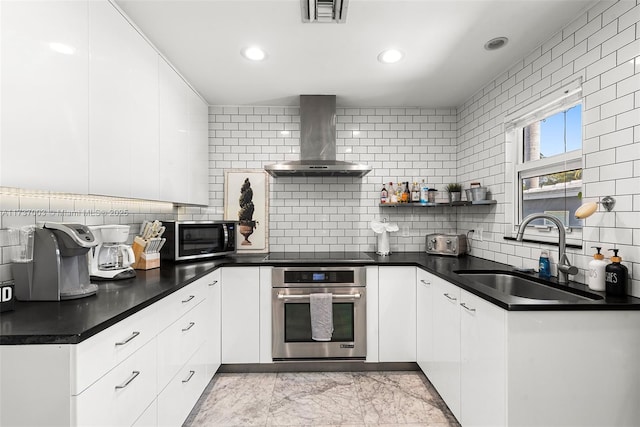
(174, 135)
(44, 95)
(198, 150)
(89, 107)
(184, 152)
(123, 107)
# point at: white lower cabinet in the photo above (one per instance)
(397, 314)
(482, 362)
(118, 398)
(213, 339)
(149, 417)
(241, 315)
(148, 369)
(424, 320)
(177, 399)
(444, 372)
(179, 341)
(467, 360)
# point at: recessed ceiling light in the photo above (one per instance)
(390, 56)
(254, 53)
(62, 48)
(496, 43)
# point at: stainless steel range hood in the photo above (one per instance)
(317, 143)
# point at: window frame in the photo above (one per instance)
(516, 169)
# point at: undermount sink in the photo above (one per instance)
(511, 283)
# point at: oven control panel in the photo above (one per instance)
(292, 276)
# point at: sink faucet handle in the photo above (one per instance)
(569, 269)
(565, 266)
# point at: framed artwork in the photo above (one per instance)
(246, 200)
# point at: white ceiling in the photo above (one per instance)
(444, 64)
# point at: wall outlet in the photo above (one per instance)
(478, 234)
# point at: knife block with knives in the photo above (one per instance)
(146, 247)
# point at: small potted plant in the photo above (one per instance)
(455, 192)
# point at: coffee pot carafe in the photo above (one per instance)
(111, 259)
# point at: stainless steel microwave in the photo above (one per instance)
(195, 240)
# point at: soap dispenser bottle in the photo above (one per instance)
(616, 276)
(597, 271)
(544, 265)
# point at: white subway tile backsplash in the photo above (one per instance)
(593, 45)
(617, 74)
(616, 10)
(618, 41)
(622, 104)
(599, 37)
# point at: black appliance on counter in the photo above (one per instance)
(197, 240)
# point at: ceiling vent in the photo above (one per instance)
(323, 11)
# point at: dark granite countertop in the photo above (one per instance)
(71, 322)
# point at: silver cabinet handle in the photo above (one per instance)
(468, 308)
(188, 299)
(132, 377)
(353, 296)
(129, 338)
(213, 283)
(450, 297)
(188, 327)
(191, 374)
(425, 282)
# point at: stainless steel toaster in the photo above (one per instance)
(446, 244)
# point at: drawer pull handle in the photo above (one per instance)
(191, 374)
(468, 308)
(213, 283)
(188, 299)
(425, 282)
(129, 338)
(450, 297)
(133, 376)
(191, 324)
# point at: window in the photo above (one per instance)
(544, 165)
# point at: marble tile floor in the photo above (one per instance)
(395, 398)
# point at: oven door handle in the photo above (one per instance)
(340, 296)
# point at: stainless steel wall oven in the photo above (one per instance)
(291, 319)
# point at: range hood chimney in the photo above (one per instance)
(317, 143)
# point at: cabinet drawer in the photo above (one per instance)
(121, 396)
(149, 417)
(178, 342)
(176, 401)
(178, 303)
(100, 353)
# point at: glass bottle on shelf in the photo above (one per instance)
(399, 192)
(384, 194)
(406, 193)
(424, 191)
(393, 198)
(415, 193)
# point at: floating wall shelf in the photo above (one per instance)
(434, 205)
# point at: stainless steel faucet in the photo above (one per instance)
(564, 266)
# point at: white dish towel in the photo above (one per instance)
(321, 308)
